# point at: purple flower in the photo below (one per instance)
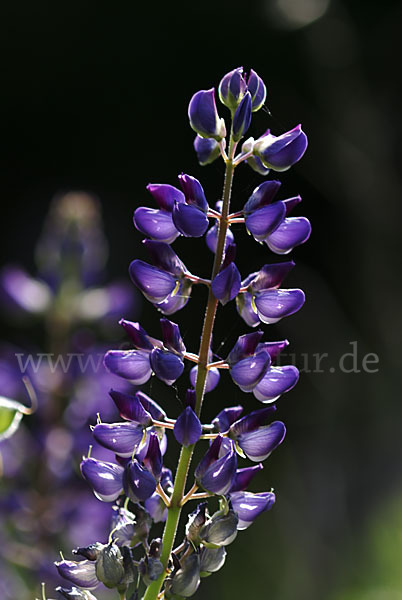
(106, 479)
(226, 417)
(291, 232)
(203, 116)
(154, 504)
(190, 217)
(163, 284)
(166, 365)
(152, 355)
(151, 406)
(247, 364)
(165, 195)
(281, 152)
(121, 438)
(251, 422)
(244, 477)
(207, 150)
(267, 220)
(156, 508)
(217, 469)
(226, 285)
(130, 364)
(262, 222)
(139, 408)
(213, 378)
(187, 429)
(248, 372)
(248, 506)
(276, 381)
(212, 238)
(257, 444)
(242, 117)
(190, 220)
(181, 212)
(262, 301)
(272, 305)
(153, 457)
(155, 284)
(138, 482)
(81, 573)
(172, 339)
(157, 223)
(193, 192)
(263, 195)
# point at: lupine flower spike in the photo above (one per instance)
(239, 439)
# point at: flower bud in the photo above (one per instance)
(207, 150)
(242, 118)
(109, 566)
(195, 523)
(232, 88)
(131, 528)
(153, 458)
(166, 365)
(257, 89)
(172, 339)
(156, 508)
(221, 530)
(90, 552)
(123, 526)
(211, 560)
(187, 429)
(150, 566)
(217, 469)
(204, 118)
(138, 482)
(185, 581)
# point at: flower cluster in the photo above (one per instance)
(137, 481)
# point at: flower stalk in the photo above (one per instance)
(178, 497)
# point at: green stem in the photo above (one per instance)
(183, 466)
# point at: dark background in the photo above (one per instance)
(94, 96)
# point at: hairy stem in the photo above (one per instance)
(174, 511)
